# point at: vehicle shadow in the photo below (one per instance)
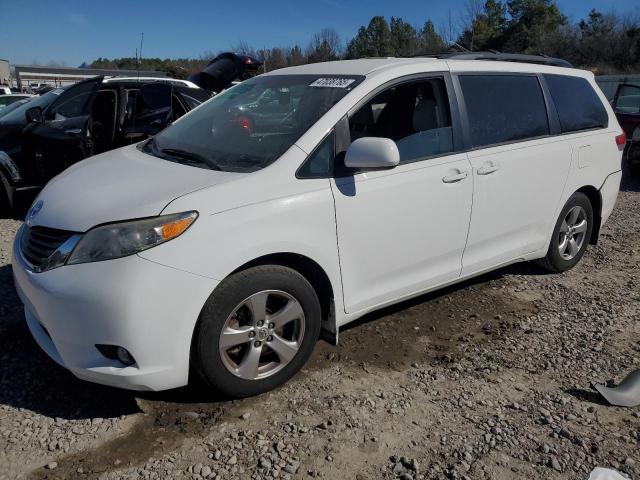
(523, 268)
(30, 380)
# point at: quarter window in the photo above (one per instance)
(503, 108)
(320, 163)
(578, 105)
(415, 115)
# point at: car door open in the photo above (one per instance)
(626, 104)
(61, 134)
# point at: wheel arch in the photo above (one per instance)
(593, 194)
(317, 277)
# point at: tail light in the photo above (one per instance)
(621, 141)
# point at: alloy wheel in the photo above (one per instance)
(572, 233)
(262, 335)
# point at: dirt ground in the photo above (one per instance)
(487, 379)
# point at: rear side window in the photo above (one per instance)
(503, 108)
(578, 105)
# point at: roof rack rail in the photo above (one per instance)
(504, 57)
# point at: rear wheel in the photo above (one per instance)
(571, 235)
(257, 329)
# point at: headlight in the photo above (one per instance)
(117, 240)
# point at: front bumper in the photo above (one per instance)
(147, 308)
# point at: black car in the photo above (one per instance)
(42, 137)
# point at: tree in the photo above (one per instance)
(358, 46)
(532, 23)
(430, 40)
(324, 46)
(296, 57)
(379, 37)
(404, 38)
(373, 41)
(484, 26)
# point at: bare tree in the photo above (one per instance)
(324, 46)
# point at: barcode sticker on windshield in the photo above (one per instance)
(332, 82)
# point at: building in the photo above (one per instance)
(27, 75)
(5, 72)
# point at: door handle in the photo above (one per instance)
(456, 177)
(73, 131)
(488, 168)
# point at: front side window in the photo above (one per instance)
(415, 115)
(73, 104)
(578, 105)
(503, 108)
(249, 126)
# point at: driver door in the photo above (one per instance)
(64, 135)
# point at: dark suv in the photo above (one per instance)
(42, 137)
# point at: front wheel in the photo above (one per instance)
(256, 330)
(570, 236)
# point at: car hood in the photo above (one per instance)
(118, 185)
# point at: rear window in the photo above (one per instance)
(578, 105)
(503, 108)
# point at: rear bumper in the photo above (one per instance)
(609, 194)
(147, 308)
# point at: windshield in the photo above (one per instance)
(42, 101)
(250, 125)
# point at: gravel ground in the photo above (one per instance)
(487, 379)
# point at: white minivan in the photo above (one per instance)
(299, 200)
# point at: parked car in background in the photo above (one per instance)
(41, 138)
(633, 152)
(222, 246)
(626, 104)
(13, 106)
(4, 90)
(609, 83)
(14, 97)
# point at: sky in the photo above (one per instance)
(74, 31)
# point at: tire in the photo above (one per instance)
(4, 202)
(222, 365)
(559, 259)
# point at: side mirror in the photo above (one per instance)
(636, 135)
(372, 153)
(34, 115)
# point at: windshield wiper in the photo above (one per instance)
(183, 156)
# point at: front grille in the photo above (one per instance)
(38, 243)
